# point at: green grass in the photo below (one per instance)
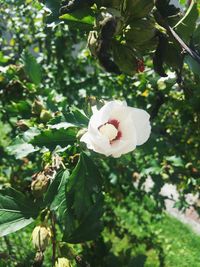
(181, 244)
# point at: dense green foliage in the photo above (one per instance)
(97, 207)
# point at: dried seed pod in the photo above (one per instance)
(39, 185)
(93, 42)
(108, 27)
(40, 237)
(37, 107)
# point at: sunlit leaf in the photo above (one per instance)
(186, 26)
(16, 211)
(32, 68)
(55, 137)
(82, 16)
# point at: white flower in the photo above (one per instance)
(117, 129)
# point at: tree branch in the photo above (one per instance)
(175, 36)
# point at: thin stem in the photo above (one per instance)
(53, 239)
(8, 245)
(175, 36)
(191, 52)
(39, 258)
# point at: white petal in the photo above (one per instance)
(123, 147)
(86, 139)
(96, 143)
(94, 109)
(142, 125)
(107, 112)
(128, 140)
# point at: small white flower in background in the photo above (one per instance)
(117, 129)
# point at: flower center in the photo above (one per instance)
(110, 130)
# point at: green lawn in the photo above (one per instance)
(181, 244)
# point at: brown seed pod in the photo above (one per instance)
(39, 185)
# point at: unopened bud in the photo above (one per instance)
(136, 176)
(37, 107)
(40, 237)
(140, 65)
(92, 100)
(62, 262)
(45, 115)
(39, 185)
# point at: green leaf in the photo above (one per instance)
(83, 16)
(3, 58)
(175, 161)
(193, 64)
(56, 193)
(20, 149)
(32, 68)
(186, 26)
(77, 117)
(16, 211)
(55, 137)
(83, 202)
(83, 182)
(90, 226)
(21, 107)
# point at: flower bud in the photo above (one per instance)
(45, 115)
(40, 237)
(135, 176)
(39, 185)
(37, 107)
(62, 262)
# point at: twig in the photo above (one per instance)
(39, 258)
(191, 52)
(53, 239)
(178, 39)
(8, 245)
